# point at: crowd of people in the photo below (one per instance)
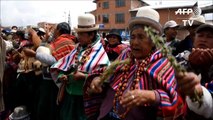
(54, 75)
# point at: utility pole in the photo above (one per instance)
(65, 16)
(69, 20)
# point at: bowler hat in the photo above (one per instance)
(86, 23)
(147, 16)
(114, 32)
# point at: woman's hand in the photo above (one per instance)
(188, 82)
(137, 98)
(63, 78)
(95, 86)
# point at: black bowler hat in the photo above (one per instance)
(114, 32)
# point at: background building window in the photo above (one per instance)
(119, 18)
(105, 5)
(105, 18)
(119, 3)
(99, 18)
(99, 4)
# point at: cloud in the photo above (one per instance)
(29, 12)
(23, 13)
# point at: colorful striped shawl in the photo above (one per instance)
(158, 76)
(97, 58)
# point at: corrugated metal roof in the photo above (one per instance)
(182, 4)
(169, 6)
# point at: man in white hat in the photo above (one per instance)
(170, 32)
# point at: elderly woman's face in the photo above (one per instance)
(203, 39)
(140, 44)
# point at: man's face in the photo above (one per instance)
(204, 39)
(171, 32)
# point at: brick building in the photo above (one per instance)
(117, 13)
(111, 14)
(168, 12)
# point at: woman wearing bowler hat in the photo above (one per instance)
(114, 46)
(142, 86)
(88, 55)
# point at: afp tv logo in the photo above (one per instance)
(188, 11)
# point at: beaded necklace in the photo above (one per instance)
(122, 86)
(85, 56)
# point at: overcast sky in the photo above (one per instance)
(30, 12)
(23, 12)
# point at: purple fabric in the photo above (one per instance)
(137, 113)
(107, 104)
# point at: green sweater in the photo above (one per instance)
(73, 87)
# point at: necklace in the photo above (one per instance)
(85, 56)
(122, 86)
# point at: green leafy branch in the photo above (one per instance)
(111, 69)
(167, 52)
